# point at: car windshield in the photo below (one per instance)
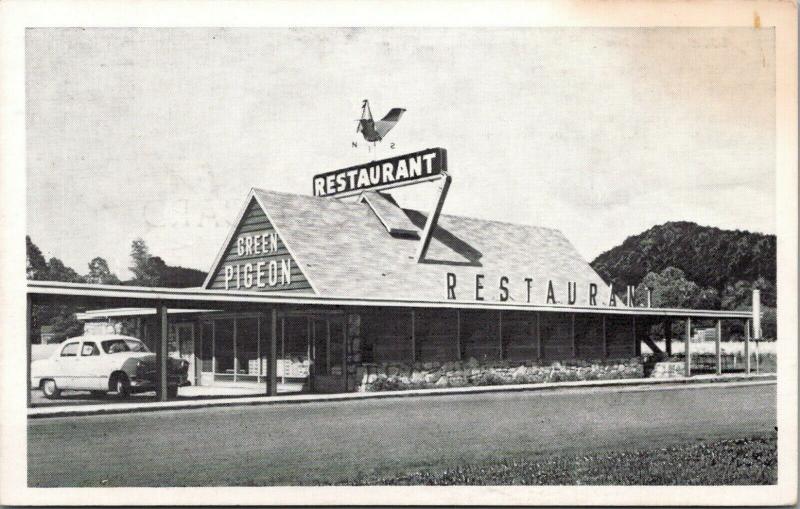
(123, 345)
(136, 346)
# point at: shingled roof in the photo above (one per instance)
(345, 251)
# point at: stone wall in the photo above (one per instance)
(668, 369)
(426, 375)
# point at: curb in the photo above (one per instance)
(121, 408)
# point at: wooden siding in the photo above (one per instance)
(255, 222)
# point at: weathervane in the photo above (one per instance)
(376, 131)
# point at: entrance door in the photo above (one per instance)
(184, 344)
(328, 339)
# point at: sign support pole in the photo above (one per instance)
(717, 345)
(747, 346)
(433, 217)
(29, 348)
(162, 350)
(688, 347)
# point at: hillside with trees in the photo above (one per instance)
(148, 270)
(688, 265)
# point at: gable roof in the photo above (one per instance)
(347, 252)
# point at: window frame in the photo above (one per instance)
(94, 345)
(77, 349)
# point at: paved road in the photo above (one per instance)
(318, 442)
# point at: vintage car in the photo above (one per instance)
(103, 363)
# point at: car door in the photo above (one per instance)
(64, 365)
(91, 375)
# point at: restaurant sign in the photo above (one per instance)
(396, 171)
(478, 288)
(256, 259)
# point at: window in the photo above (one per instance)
(136, 346)
(247, 349)
(89, 349)
(115, 346)
(223, 349)
(70, 350)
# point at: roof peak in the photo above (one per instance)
(359, 204)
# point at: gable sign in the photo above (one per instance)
(256, 259)
(384, 174)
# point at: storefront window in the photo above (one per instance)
(207, 347)
(387, 336)
(479, 334)
(519, 336)
(247, 349)
(435, 331)
(293, 363)
(336, 353)
(223, 349)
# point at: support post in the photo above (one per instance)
(668, 336)
(539, 351)
(718, 346)
(605, 339)
(757, 314)
(500, 332)
(272, 369)
(283, 350)
(688, 347)
(757, 323)
(458, 334)
(572, 335)
(235, 355)
(747, 346)
(28, 347)
(311, 357)
(649, 298)
(433, 218)
(328, 346)
(162, 353)
(413, 338)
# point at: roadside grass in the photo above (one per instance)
(748, 461)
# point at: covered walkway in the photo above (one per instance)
(271, 304)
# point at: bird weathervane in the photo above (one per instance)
(376, 131)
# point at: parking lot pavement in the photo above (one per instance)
(339, 440)
(71, 398)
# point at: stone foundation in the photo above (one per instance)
(427, 375)
(669, 369)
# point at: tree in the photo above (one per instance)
(57, 271)
(149, 270)
(670, 289)
(145, 269)
(36, 266)
(61, 317)
(707, 298)
(100, 274)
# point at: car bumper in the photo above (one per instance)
(150, 384)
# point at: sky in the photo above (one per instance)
(600, 133)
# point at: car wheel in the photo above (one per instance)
(172, 392)
(122, 386)
(50, 390)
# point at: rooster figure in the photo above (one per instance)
(375, 131)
